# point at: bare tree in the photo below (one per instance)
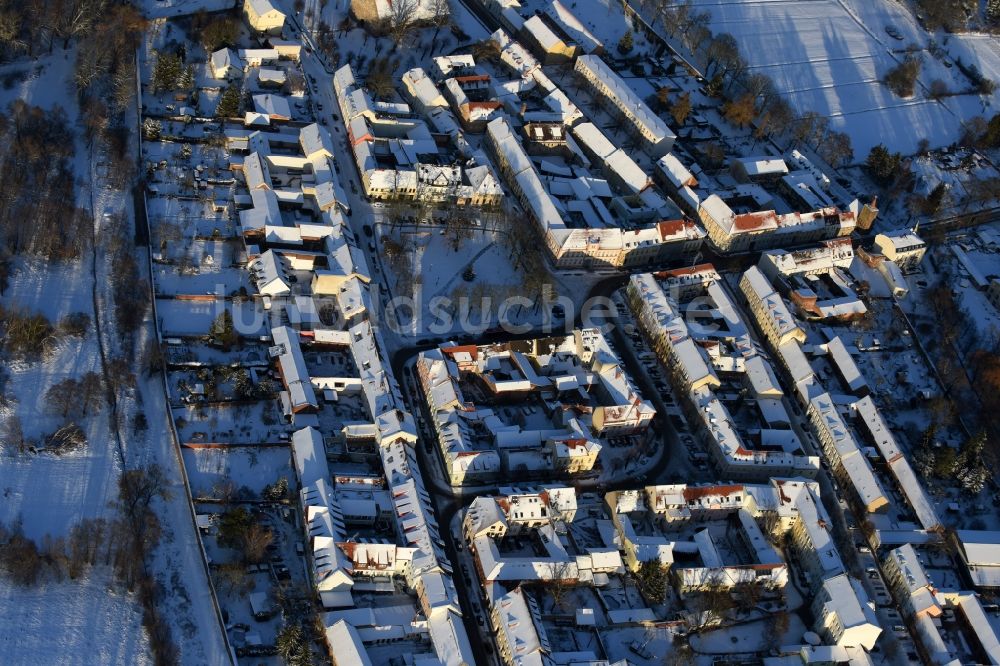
(62, 397)
(440, 11)
(256, 539)
(12, 434)
(402, 17)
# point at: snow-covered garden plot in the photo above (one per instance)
(249, 424)
(981, 51)
(254, 468)
(195, 317)
(75, 622)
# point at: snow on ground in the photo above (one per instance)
(177, 562)
(447, 302)
(80, 484)
(829, 56)
(84, 621)
(180, 317)
(254, 468)
(168, 8)
(41, 82)
(248, 424)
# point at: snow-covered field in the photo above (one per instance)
(829, 56)
(74, 622)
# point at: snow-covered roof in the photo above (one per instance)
(845, 364)
(264, 213)
(273, 106)
(848, 600)
(566, 20)
(594, 139)
(675, 172)
(982, 627)
(483, 513)
(981, 547)
(884, 440)
(223, 60)
(271, 75)
(836, 253)
(514, 55)
(839, 443)
(542, 34)
(516, 616)
(293, 367)
(446, 64)
(632, 176)
(268, 272)
(262, 7)
(773, 307)
(315, 140)
(901, 240)
(662, 315)
(625, 98)
(762, 166)
(346, 643)
(450, 640)
(422, 89)
(309, 456)
(256, 172)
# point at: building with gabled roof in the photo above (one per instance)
(769, 309)
(658, 138)
(844, 613)
(979, 551)
(902, 246)
(583, 387)
(269, 275)
(263, 16)
(292, 369)
(729, 231)
(345, 644)
(702, 357)
(846, 458)
(520, 635)
(225, 64)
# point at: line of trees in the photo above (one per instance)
(751, 96)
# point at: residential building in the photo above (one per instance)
(905, 574)
(225, 64)
(769, 309)
(904, 247)
(399, 158)
(657, 137)
(520, 635)
(263, 16)
(746, 439)
(596, 245)
(844, 614)
(980, 554)
(548, 40)
(517, 421)
(729, 231)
